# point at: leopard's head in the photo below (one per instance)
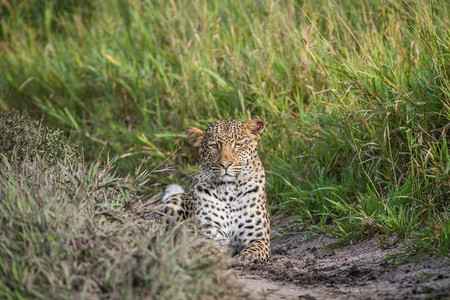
(228, 147)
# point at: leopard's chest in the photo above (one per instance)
(228, 208)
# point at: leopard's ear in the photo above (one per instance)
(254, 128)
(195, 135)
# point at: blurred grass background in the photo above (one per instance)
(355, 94)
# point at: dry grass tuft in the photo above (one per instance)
(66, 234)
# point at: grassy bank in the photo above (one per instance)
(65, 232)
(355, 94)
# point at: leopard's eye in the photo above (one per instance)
(239, 144)
(213, 146)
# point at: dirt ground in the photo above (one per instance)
(300, 269)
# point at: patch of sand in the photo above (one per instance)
(300, 269)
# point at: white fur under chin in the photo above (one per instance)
(227, 178)
(171, 190)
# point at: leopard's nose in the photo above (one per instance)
(226, 164)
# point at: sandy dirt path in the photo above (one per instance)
(300, 269)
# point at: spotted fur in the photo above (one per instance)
(228, 199)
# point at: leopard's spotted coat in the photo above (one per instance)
(228, 198)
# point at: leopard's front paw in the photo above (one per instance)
(245, 259)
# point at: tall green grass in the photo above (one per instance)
(355, 94)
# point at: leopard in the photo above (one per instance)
(227, 199)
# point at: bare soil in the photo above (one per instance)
(301, 269)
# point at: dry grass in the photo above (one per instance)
(65, 234)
